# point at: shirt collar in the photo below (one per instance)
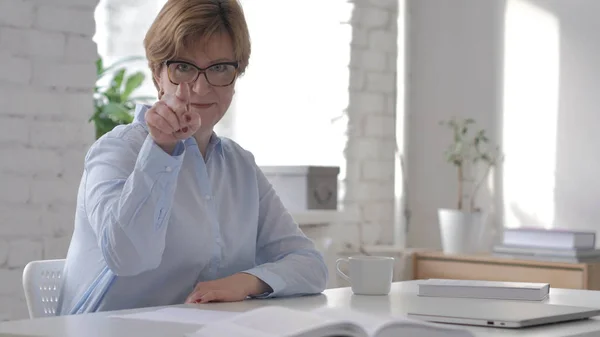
(214, 143)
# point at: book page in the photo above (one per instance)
(280, 321)
(228, 329)
(180, 315)
(276, 320)
(389, 326)
(370, 323)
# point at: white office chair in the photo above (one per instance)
(41, 283)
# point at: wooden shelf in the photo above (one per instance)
(491, 259)
(492, 268)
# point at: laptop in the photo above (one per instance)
(500, 314)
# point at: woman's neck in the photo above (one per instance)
(202, 139)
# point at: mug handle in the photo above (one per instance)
(337, 267)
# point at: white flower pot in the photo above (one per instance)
(461, 232)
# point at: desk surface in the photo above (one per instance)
(401, 299)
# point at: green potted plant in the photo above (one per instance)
(113, 100)
(471, 153)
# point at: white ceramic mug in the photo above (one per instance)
(368, 275)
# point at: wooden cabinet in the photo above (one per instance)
(486, 267)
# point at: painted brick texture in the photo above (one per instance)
(47, 74)
(370, 149)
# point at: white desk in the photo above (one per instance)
(401, 299)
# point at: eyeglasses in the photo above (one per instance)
(218, 75)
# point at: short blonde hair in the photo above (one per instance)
(180, 23)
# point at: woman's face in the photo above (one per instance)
(208, 101)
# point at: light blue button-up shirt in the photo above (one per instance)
(150, 225)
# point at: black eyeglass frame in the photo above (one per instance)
(203, 71)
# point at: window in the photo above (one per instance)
(120, 30)
(289, 106)
(289, 103)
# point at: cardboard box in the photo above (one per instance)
(303, 188)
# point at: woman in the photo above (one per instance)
(167, 211)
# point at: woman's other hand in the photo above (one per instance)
(233, 288)
(170, 119)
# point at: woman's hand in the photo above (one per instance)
(233, 288)
(170, 119)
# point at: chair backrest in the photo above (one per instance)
(41, 283)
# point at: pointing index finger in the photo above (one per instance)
(183, 93)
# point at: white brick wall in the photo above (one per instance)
(47, 73)
(370, 149)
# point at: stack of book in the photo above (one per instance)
(523, 291)
(559, 245)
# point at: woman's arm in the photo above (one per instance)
(128, 191)
(288, 261)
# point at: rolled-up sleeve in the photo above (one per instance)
(287, 260)
(128, 192)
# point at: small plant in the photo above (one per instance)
(468, 151)
(113, 104)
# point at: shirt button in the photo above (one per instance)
(168, 168)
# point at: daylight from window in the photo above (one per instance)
(289, 106)
(531, 83)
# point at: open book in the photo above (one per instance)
(272, 321)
